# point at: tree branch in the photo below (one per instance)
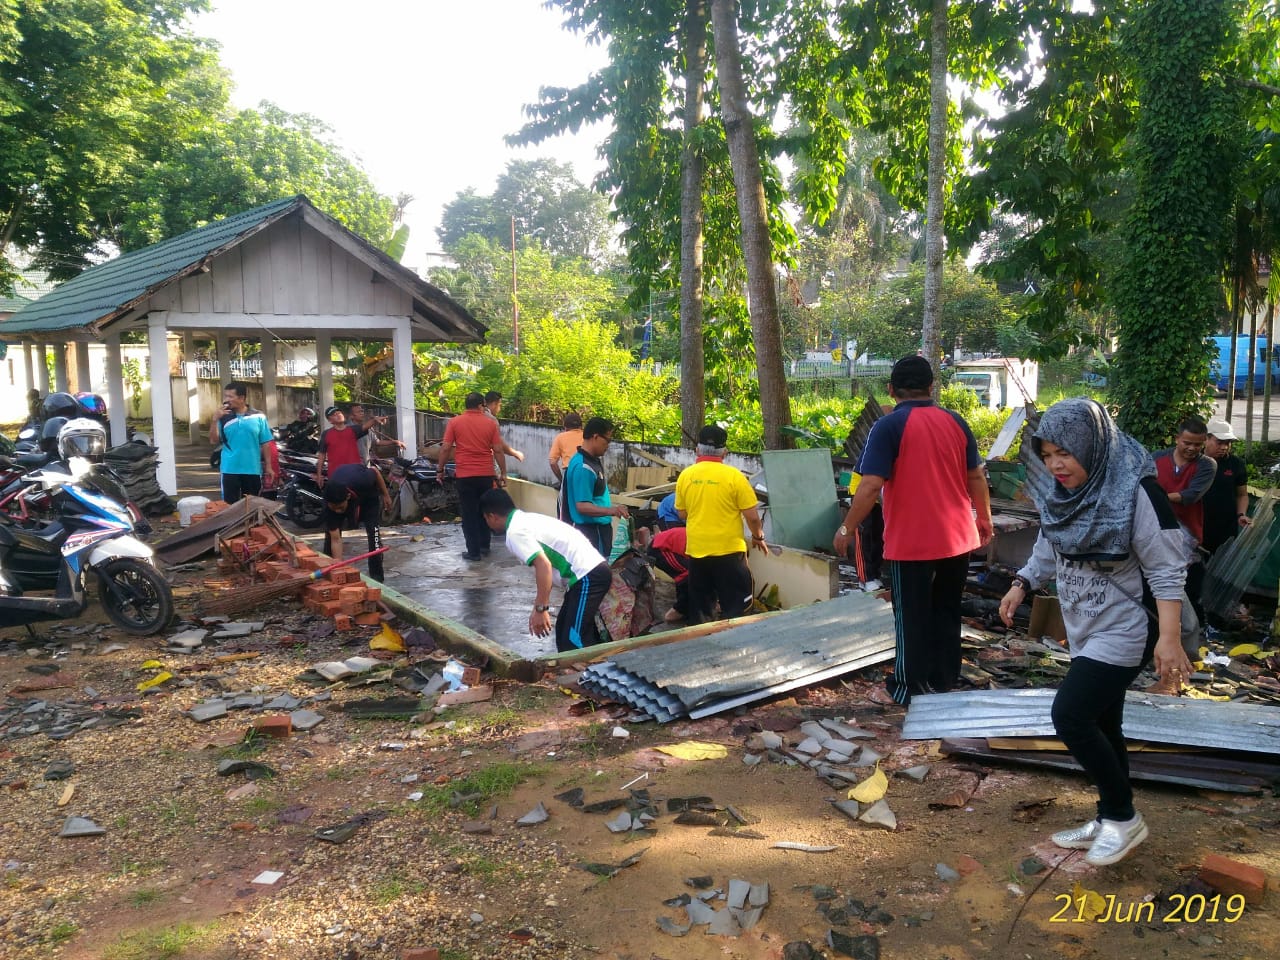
(1257, 85)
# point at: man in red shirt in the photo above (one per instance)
(473, 439)
(925, 460)
(339, 445)
(1185, 472)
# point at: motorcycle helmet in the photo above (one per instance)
(305, 414)
(83, 438)
(60, 405)
(91, 405)
(49, 434)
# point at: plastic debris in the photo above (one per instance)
(694, 750)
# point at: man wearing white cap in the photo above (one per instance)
(1226, 503)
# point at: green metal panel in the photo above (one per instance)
(802, 498)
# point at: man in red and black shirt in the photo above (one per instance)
(925, 460)
(478, 445)
(339, 445)
(1186, 473)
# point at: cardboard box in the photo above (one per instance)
(1046, 619)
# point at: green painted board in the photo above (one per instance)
(802, 498)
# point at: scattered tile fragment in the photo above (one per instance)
(537, 815)
(80, 827)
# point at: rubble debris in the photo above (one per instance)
(80, 827)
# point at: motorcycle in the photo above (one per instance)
(416, 488)
(303, 498)
(89, 533)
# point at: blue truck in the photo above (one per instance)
(1220, 363)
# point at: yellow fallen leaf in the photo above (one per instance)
(164, 676)
(693, 750)
(1193, 694)
(1089, 904)
(1245, 650)
(151, 665)
(67, 793)
(871, 789)
(387, 639)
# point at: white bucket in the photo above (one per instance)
(188, 507)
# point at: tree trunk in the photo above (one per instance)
(934, 217)
(757, 249)
(692, 362)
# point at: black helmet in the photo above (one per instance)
(60, 405)
(49, 432)
(91, 405)
(306, 413)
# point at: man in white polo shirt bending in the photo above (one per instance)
(557, 552)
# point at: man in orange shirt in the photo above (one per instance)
(478, 445)
(566, 444)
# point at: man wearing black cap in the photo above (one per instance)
(340, 444)
(713, 499)
(355, 494)
(925, 460)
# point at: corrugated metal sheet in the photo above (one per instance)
(857, 439)
(705, 675)
(1253, 728)
(1210, 771)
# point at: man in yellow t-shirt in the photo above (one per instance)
(713, 499)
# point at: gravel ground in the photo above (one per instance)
(172, 875)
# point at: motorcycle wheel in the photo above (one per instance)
(136, 597)
(303, 511)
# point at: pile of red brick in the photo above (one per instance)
(343, 596)
(210, 508)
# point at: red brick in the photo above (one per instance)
(351, 608)
(353, 593)
(367, 619)
(1231, 876)
(470, 676)
(276, 725)
(343, 575)
(421, 953)
(320, 592)
(965, 864)
(328, 608)
(342, 622)
(373, 594)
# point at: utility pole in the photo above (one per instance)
(515, 302)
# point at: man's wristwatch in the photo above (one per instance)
(1021, 582)
(843, 531)
(541, 608)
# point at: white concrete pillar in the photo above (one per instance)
(29, 356)
(116, 403)
(43, 373)
(60, 381)
(324, 372)
(223, 349)
(192, 387)
(406, 419)
(84, 380)
(162, 401)
(272, 404)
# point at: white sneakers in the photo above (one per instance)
(871, 586)
(1108, 841)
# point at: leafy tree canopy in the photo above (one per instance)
(544, 199)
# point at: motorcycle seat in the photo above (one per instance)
(51, 532)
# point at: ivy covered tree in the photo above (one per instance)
(1186, 153)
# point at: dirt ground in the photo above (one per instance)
(172, 876)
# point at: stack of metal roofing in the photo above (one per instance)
(704, 675)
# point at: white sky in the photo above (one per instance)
(420, 91)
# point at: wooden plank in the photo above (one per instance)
(286, 266)
(204, 292)
(645, 454)
(255, 267)
(228, 282)
(313, 253)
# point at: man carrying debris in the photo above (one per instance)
(557, 552)
(713, 499)
(925, 461)
(355, 494)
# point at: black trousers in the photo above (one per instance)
(366, 512)
(926, 613)
(237, 486)
(474, 530)
(600, 535)
(576, 621)
(870, 545)
(1088, 714)
(725, 578)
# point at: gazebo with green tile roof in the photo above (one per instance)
(281, 271)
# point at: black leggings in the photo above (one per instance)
(1088, 714)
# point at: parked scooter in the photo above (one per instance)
(89, 533)
(303, 498)
(417, 488)
(74, 448)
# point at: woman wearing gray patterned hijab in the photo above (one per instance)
(1107, 536)
(1095, 520)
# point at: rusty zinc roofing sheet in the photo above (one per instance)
(703, 675)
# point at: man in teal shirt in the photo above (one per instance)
(244, 435)
(584, 494)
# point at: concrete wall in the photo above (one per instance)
(290, 399)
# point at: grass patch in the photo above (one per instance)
(339, 773)
(251, 746)
(61, 932)
(163, 944)
(257, 805)
(144, 896)
(489, 783)
(136, 868)
(176, 813)
(392, 887)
